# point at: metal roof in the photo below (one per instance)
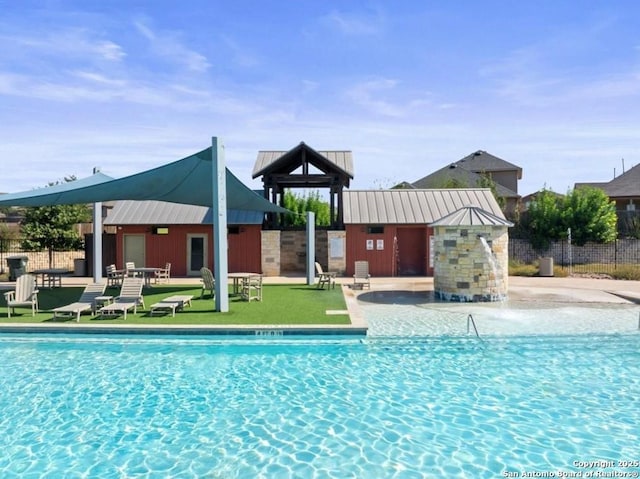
(342, 159)
(471, 216)
(413, 206)
(128, 212)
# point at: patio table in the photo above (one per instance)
(147, 273)
(52, 277)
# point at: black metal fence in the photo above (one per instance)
(590, 258)
(36, 259)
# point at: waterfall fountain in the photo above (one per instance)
(471, 255)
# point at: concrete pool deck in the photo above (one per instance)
(526, 289)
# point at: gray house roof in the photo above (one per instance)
(480, 161)
(413, 206)
(458, 172)
(467, 172)
(128, 212)
(627, 184)
(471, 216)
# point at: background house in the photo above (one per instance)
(467, 173)
(625, 191)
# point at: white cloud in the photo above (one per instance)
(240, 56)
(167, 45)
(384, 97)
(354, 24)
(69, 42)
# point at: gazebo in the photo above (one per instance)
(304, 167)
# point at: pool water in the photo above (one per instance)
(415, 314)
(157, 407)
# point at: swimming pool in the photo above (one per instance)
(80, 406)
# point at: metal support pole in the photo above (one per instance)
(220, 260)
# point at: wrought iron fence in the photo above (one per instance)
(36, 259)
(629, 223)
(590, 258)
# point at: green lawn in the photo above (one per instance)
(281, 304)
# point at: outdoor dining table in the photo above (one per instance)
(51, 277)
(147, 273)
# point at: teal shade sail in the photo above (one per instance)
(186, 181)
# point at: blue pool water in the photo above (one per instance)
(79, 406)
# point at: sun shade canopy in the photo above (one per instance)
(186, 181)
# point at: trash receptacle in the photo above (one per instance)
(79, 267)
(546, 267)
(17, 266)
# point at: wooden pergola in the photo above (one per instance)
(304, 167)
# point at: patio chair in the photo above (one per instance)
(208, 282)
(114, 276)
(129, 299)
(252, 288)
(129, 266)
(328, 277)
(163, 274)
(25, 295)
(361, 277)
(86, 302)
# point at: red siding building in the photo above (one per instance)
(153, 233)
(391, 228)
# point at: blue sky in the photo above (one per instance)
(408, 86)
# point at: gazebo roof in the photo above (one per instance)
(335, 161)
(471, 216)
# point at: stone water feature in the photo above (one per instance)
(471, 256)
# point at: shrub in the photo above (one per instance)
(518, 268)
(626, 272)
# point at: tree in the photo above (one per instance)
(299, 205)
(542, 222)
(587, 211)
(485, 181)
(591, 215)
(51, 227)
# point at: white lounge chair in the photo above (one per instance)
(129, 299)
(25, 295)
(325, 277)
(361, 277)
(86, 302)
(172, 303)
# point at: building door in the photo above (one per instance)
(134, 249)
(412, 251)
(197, 256)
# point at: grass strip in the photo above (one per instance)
(289, 304)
